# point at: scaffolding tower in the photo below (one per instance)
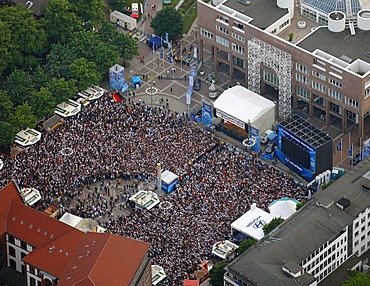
(276, 59)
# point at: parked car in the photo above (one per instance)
(356, 159)
(197, 84)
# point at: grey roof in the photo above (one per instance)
(303, 233)
(263, 12)
(37, 7)
(339, 44)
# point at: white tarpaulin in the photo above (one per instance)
(70, 219)
(241, 105)
(252, 221)
(283, 207)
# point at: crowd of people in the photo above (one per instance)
(112, 141)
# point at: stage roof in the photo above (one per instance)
(243, 104)
(252, 221)
(168, 177)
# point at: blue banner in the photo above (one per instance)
(366, 151)
(339, 147)
(297, 168)
(206, 114)
(255, 133)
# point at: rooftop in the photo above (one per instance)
(263, 12)
(339, 44)
(292, 241)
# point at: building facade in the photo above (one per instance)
(322, 70)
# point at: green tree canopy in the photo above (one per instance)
(39, 78)
(42, 103)
(27, 36)
(23, 117)
(19, 86)
(126, 47)
(62, 89)
(90, 12)
(7, 134)
(58, 60)
(272, 225)
(245, 244)
(6, 106)
(84, 72)
(61, 21)
(168, 21)
(357, 279)
(217, 274)
(5, 46)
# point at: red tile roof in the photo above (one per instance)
(55, 256)
(7, 194)
(34, 227)
(104, 259)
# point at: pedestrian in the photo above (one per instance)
(171, 89)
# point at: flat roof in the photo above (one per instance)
(293, 240)
(263, 12)
(339, 44)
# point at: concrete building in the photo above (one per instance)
(317, 244)
(36, 250)
(282, 47)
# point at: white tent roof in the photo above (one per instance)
(168, 177)
(70, 219)
(243, 104)
(252, 221)
(283, 207)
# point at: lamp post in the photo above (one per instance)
(151, 91)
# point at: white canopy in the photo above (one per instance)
(70, 219)
(27, 137)
(283, 207)
(168, 177)
(246, 106)
(252, 221)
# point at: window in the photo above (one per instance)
(303, 92)
(11, 251)
(318, 86)
(335, 94)
(32, 281)
(319, 75)
(357, 224)
(367, 94)
(223, 19)
(238, 25)
(237, 48)
(335, 108)
(363, 238)
(301, 68)
(222, 41)
(206, 34)
(238, 37)
(335, 83)
(13, 264)
(23, 254)
(222, 29)
(301, 78)
(270, 77)
(351, 102)
(23, 245)
(11, 239)
(239, 62)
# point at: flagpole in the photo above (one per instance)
(349, 141)
(352, 154)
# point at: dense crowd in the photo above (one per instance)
(126, 141)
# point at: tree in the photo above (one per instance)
(23, 117)
(272, 225)
(357, 279)
(88, 45)
(84, 72)
(217, 274)
(39, 78)
(58, 60)
(5, 46)
(42, 103)
(27, 36)
(168, 21)
(290, 37)
(90, 12)
(62, 89)
(244, 245)
(7, 134)
(6, 106)
(61, 21)
(300, 205)
(126, 47)
(19, 86)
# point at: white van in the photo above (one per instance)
(264, 137)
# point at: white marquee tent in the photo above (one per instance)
(283, 207)
(70, 219)
(239, 105)
(251, 223)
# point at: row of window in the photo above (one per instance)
(225, 20)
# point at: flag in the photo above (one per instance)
(339, 146)
(350, 151)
